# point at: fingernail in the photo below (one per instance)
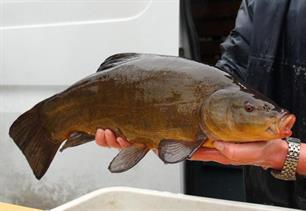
(219, 145)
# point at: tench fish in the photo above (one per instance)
(158, 102)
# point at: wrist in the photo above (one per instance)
(289, 170)
(301, 167)
(276, 159)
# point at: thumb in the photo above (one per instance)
(232, 151)
(244, 152)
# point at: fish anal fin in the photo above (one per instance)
(174, 151)
(77, 138)
(128, 158)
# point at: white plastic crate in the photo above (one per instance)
(128, 199)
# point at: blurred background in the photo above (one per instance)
(46, 45)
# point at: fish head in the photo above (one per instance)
(240, 115)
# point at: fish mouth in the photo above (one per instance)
(283, 128)
(286, 123)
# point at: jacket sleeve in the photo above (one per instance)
(236, 47)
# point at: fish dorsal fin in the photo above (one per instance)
(117, 59)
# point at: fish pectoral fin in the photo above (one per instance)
(174, 151)
(209, 143)
(127, 158)
(77, 138)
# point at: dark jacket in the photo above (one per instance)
(267, 50)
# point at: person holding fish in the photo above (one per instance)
(182, 109)
(266, 50)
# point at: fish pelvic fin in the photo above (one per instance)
(174, 151)
(34, 141)
(117, 59)
(77, 138)
(128, 158)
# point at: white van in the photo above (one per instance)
(46, 45)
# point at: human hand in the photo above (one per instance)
(270, 154)
(106, 138)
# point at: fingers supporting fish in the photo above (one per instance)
(247, 153)
(269, 154)
(107, 138)
(111, 140)
(123, 143)
(100, 138)
(207, 154)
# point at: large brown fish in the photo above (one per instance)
(168, 103)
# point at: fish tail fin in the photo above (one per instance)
(34, 141)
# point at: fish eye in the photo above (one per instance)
(248, 107)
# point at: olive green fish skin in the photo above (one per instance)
(169, 103)
(148, 98)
